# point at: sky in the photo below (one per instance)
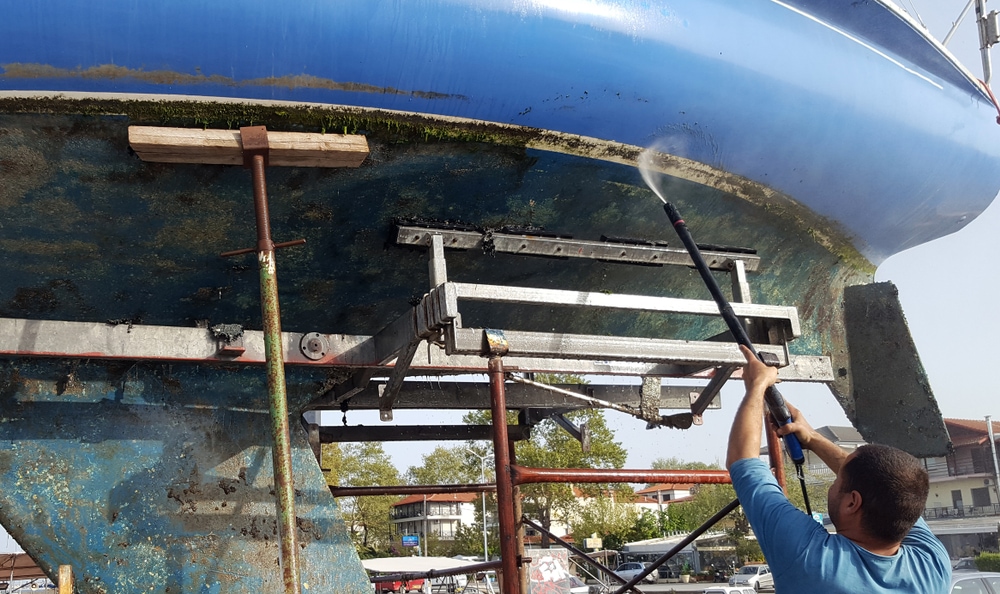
(946, 287)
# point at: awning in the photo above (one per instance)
(413, 564)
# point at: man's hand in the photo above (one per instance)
(798, 425)
(757, 377)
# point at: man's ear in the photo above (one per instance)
(851, 503)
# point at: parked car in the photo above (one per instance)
(975, 582)
(728, 590)
(398, 586)
(965, 564)
(756, 576)
(629, 570)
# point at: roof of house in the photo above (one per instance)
(841, 434)
(449, 497)
(970, 431)
(666, 487)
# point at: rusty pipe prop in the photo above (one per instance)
(680, 546)
(774, 454)
(523, 574)
(607, 570)
(523, 475)
(510, 583)
(411, 489)
(255, 151)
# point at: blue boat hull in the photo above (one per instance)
(790, 95)
(827, 136)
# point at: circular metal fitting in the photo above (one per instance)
(314, 346)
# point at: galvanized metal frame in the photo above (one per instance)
(436, 323)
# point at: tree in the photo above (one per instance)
(817, 485)
(674, 463)
(367, 518)
(444, 466)
(552, 447)
(706, 501)
(604, 516)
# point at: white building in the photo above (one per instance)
(440, 514)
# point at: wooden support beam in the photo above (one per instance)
(224, 147)
(65, 579)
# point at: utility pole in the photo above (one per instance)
(482, 468)
(993, 448)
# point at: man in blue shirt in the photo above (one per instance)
(882, 544)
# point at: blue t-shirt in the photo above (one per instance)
(804, 557)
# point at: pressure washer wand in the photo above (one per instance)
(775, 402)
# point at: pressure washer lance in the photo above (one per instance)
(775, 402)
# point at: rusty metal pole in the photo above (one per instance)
(255, 148)
(510, 583)
(518, 513)
(525, 475)
(774, 453)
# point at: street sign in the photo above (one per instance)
(411, 540)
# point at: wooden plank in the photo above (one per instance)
(65, 579)
(223, 147)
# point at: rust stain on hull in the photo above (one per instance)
(170, 77)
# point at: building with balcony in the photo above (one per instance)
(661, 493)
(963, 504)
(440, 514)
(963, 483)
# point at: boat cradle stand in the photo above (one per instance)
(436, 320)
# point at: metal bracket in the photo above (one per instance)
(253, 139)
(532, 416)
(345, 390)
(700, 401)
(400, 340)
(581, 433)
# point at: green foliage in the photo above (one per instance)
(330, 457)
(988, 561)
(552, 447)
(611, 520)
(649, 524)
(559, 378)
(817, 486)
(673, 463)
(367, 518)
(707, 500)
(445, 466)
(469, 541)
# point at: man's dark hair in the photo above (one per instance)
(893, 487)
